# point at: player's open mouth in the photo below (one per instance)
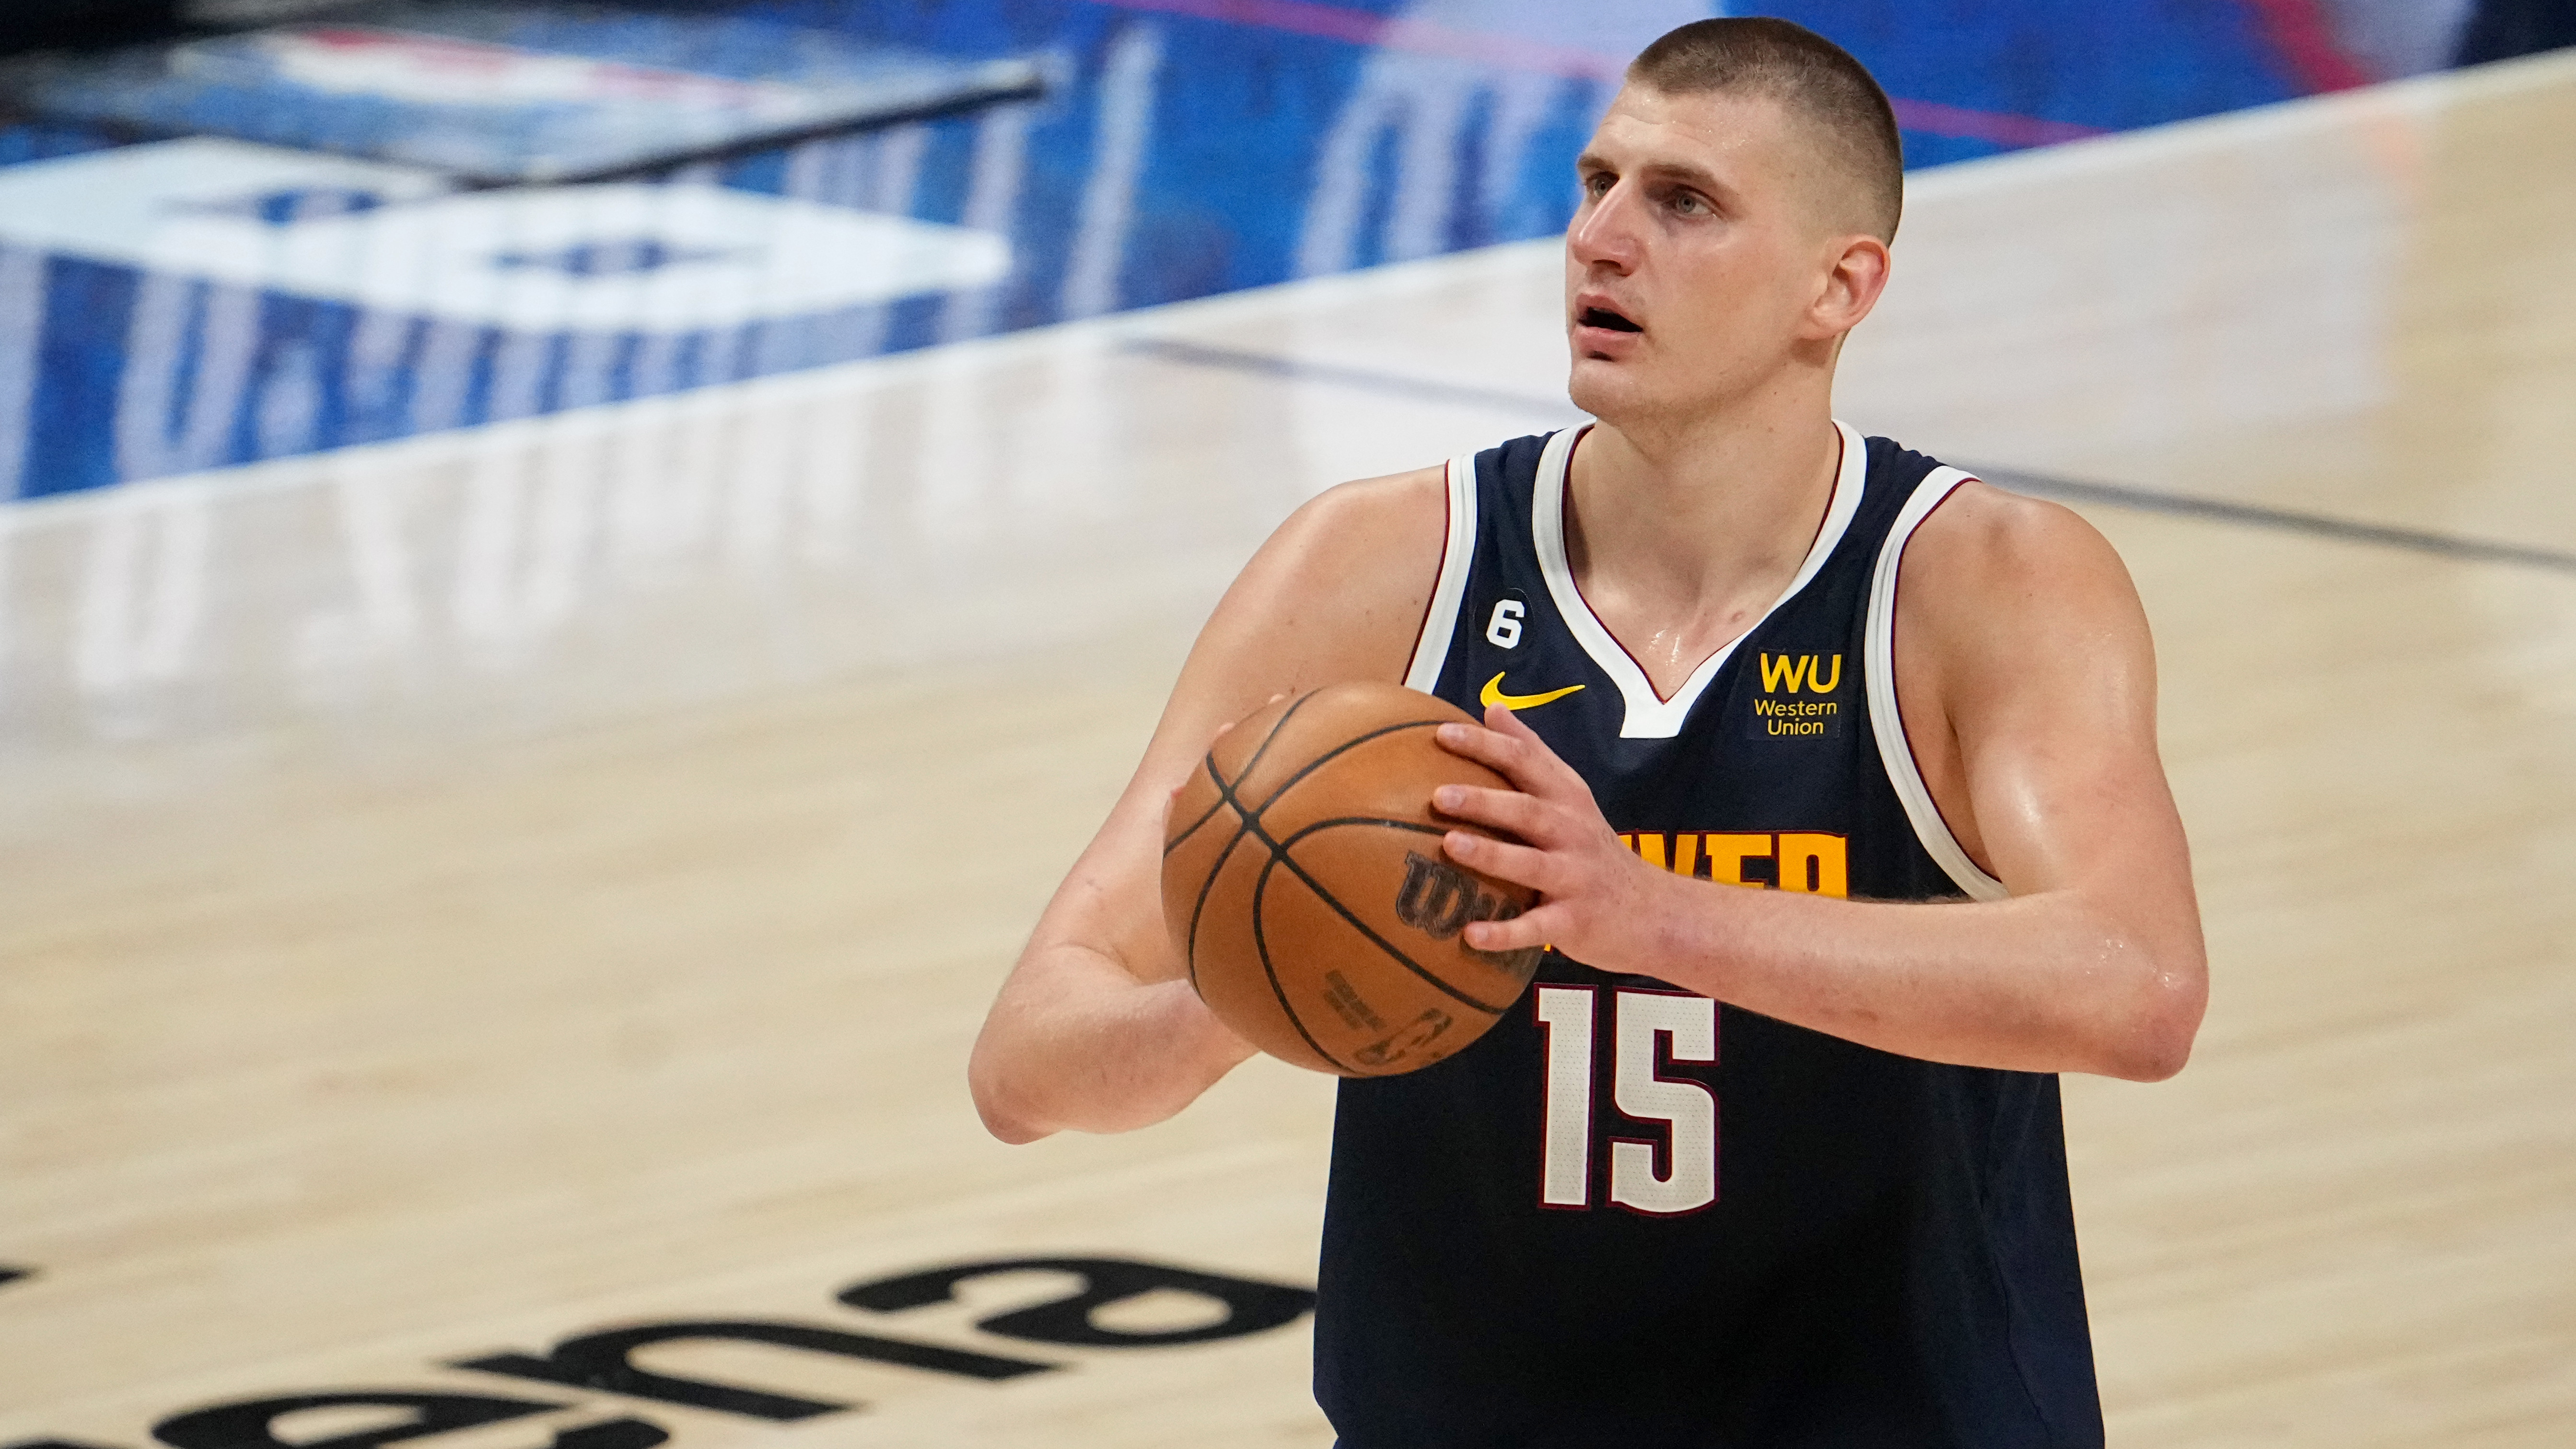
(1603, 317)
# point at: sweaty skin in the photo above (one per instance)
(1712, 272)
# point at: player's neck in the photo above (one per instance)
(1681, 537)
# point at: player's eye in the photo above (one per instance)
(1598, 184)
(1689, 203)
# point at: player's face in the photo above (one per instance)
(1694, 264)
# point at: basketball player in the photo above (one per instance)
(1774, 1166)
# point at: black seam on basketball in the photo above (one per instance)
(1263, 748)
(1248, 822)
(1418, 828)
(1225, 795)
(1229, 789)
(1415, 826)
(1198, 908)
(1224, 798)
(1251, 816)
(1279, 856)
(1336, 752)
(1261, 947)
(1205, 816)
(1190, 939)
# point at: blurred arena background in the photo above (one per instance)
(572, 575)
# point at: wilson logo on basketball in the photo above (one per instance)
(1779, 713)
(1438, 899)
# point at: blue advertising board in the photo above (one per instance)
(248, 291)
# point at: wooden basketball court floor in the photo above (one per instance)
(471, 893)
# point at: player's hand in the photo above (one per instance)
(1595, 896)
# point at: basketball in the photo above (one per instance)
(1304, 883)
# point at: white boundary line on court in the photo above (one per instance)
(2405, 100)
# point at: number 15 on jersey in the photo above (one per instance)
(1674, 1170)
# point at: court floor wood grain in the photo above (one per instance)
(416, 946)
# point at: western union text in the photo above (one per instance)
(1796, 716)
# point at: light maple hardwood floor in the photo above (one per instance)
(472, 891)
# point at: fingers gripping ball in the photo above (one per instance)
(1304, 883)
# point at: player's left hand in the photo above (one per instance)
(1595, 895)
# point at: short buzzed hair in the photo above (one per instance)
(1810, 76)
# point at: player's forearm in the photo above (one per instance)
(1079, 1045)
(2048, 982)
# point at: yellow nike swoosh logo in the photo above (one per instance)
(1494, 695)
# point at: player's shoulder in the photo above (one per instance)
(1408, 500)
(2005, 592)
(1410, 509)
(1340, 588)
(1355, 530)
(1988, 547)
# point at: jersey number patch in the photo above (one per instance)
(1663, 1178)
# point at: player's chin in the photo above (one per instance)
(1600, 386)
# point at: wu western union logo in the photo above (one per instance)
(1793, 672)
(1810, 861)
(1780, 712)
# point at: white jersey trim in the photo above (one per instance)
(1895, 752)
(1649, 716)
(1457, 557)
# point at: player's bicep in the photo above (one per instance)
(2068, 791)
(2049, 689)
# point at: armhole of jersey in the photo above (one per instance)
(1440, 617)
(1895, 753)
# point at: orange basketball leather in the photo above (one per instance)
(1304, 883)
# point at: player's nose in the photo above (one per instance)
(1605, 233)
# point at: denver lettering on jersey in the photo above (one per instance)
(1780, 713)
(1809, 861)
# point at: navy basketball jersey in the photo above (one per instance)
(1634, 1216)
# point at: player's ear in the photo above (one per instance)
(1854, 274)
